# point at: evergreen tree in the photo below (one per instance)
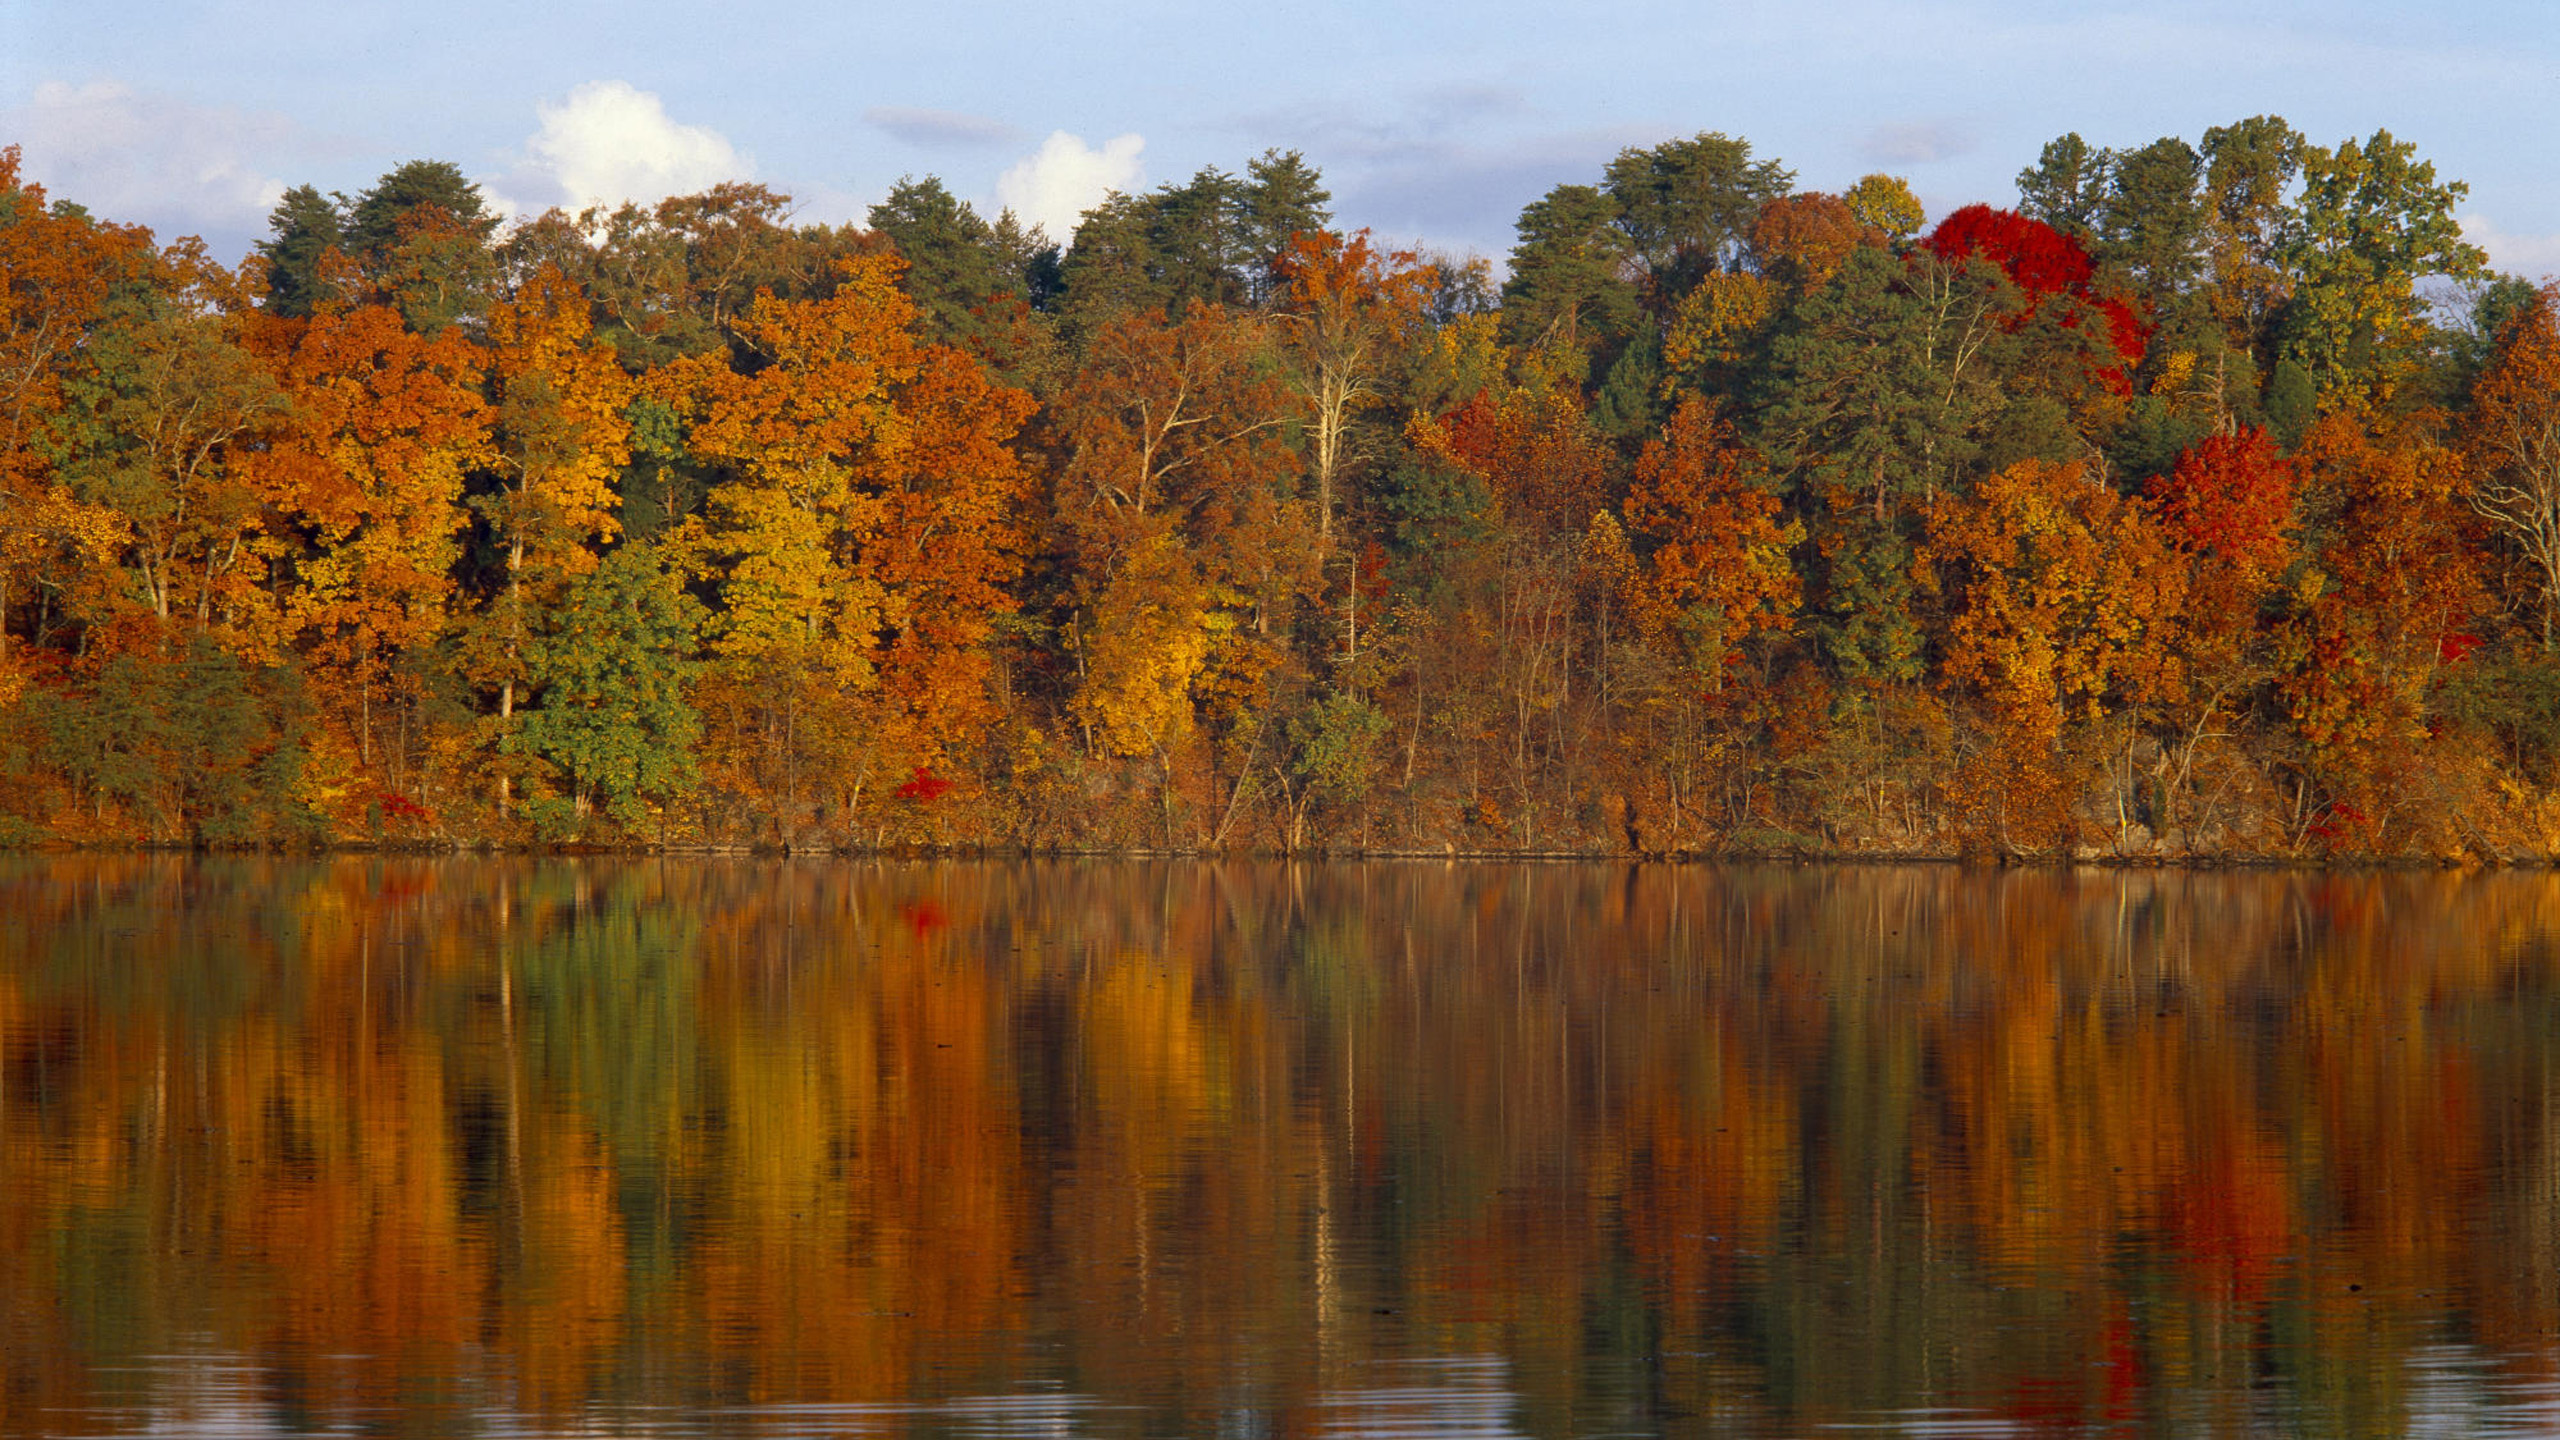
(1283, 196)
(421, 237)
(305, 228)
(1569, 272)
(954, 263)
(2067, 186)
(2152, 226)
(375, 222)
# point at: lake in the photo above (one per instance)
(763, 1148)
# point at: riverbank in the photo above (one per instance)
(2079, 858)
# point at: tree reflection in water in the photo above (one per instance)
(1061, 1148)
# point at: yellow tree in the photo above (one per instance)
(1174, 506)
(2389, 604)
(560, 398)
(1719, 570)
(865, 519)
(2054, 586)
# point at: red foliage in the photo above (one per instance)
(401, 807)
(1375, 582)
(2340, 821)
(2454, 645)
(2127, 335)
(2230, 496)
(2043, 262)
(925, 788)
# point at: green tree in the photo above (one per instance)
(2249, 170)
(421, 236)
(1687, 206)
(614, 719)
(1882, 391)
(2152, 225)
(305, 228)
(197, 746)
(1284, 196)
(379, 218)
(953, 266)
(2372, 222)
(1161, 251)
(1569, 272)
(974, 284)
(2067, 186)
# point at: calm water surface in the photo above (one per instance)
(686, 1148)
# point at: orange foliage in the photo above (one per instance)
(1719, 547)
(385, 425)
(2396, 582)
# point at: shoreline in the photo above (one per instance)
(488, 849)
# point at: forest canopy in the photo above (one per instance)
(2205, 503)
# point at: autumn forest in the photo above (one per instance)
(2206, 504)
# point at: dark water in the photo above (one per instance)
(515, 1148)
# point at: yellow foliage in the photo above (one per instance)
(1713, 322)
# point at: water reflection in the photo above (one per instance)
(704, 1148)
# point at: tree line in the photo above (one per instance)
(2207, 502)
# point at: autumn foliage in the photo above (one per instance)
(2148, 517)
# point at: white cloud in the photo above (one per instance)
(2535, 257)
(177, 167)
(1053, 186)
(1917, 142)
(938, 127)
(609, 142)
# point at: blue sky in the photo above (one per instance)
(1432, 122)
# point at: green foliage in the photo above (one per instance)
(2152, 438)
(382, 218)
(1629, 405)
(1432, 510)
(2371, 223)
(2153, 225)
(421, 237)
(2033, 427)
(1686, 206)
(2249, 168)
(614, 718)
(663, 484)
(200, 746)
(961, 270)
(2067, 186)
(1212, 239)
(2292, 402)
(304, 228)
(2514, 694)
(1568, 273)
(1283, 196)
(1337, 742)
(1883, 382)
(1862, 610)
